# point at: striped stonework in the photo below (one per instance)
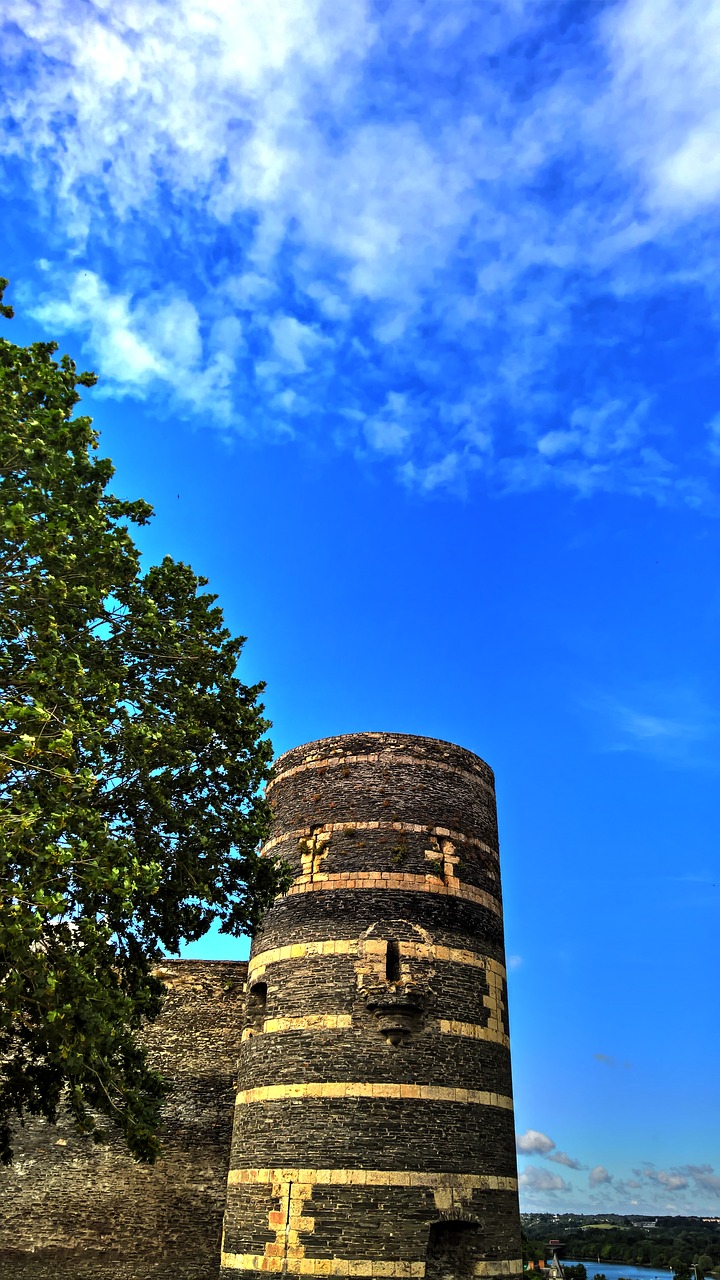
(344, 1089)
(378, 1269)
(410, 954)
(465, 1182)
(388, 880)
(294, 1222)
(351, 946)
(310, 1022)
(378, 759)
(374, 1098)
(358, 828)
(291, 1265)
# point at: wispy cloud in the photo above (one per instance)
(562, 1157)
(533, 1142)
(689, 1188)
(704, 1177)
(670, 723)
(608, 1061)
(670, 1181)
(700, 1178)
(446, 241)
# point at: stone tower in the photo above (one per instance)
(373, 1130)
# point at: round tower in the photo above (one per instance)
(373, 1127)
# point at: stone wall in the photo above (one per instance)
(72, 1210)
(374, 1127)
(365, 1050)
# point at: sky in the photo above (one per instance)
(406, 318)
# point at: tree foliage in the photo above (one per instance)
(130, 761)
(682, 1243)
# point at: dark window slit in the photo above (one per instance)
(392, 961)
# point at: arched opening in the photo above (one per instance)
(452, 1250)
(392, 961)
(257, 997)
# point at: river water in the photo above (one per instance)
(616, 1270)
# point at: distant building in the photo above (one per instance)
(555, 1270)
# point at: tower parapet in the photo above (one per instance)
(373, 1129)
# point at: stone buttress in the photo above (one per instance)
(373, 1131)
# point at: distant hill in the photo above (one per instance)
(682, 1243)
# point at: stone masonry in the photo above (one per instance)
(373, 1123)
(71, 1210)
(373, 1128)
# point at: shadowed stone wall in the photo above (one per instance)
(374, 1097)
(71, 1210)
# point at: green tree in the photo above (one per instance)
(680, 1267)
(704, 1264)
(130, 761)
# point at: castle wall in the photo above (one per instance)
(347, 1097)
(374, 1129)
(71, 1210)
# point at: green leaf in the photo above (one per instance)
(132, 761)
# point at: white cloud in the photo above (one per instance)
(160, 93)
(599, 1176)
(386, 435)
(390, 430)
(556, 442)
(294, 342)
(124, 356)
(442, 474)
(671, 1181)
(534, 1141)
(137, 341)
(534, 1179)
(664, 59)
(364, 233)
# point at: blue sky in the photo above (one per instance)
(406, 318)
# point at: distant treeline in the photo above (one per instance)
(680, 1243)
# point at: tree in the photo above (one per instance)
(130, 761)
(703, 1265)
(680, 1268)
